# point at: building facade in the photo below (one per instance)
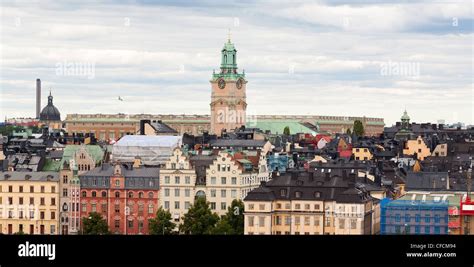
(29, 203)
(297, 204)
(126, 195)
(220, 177)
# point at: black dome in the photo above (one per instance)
(50, 112)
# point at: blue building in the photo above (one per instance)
(413, 217)
(277, 162)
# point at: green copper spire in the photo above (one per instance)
(228, 62)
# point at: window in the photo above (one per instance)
(32, 201)
(307, 206)
(213, 192)
(427, 218)
(117, 223)
(64, 192)
(167, 204)
(407, 218)
(10, 201)
(117, 194)
(234, 180)
(261, 221)
(341, 223)
(10, 189)
(130, 194)
(94, 194)
(282, 192)
(213, 205)
(176, 204)
(223, 180)
(213, 180)
(20, 201)
(223, 206)
(187, 204)
(417, 218)
(117, 183)
(287, 206)
(316, 206)
(251, 206)
(150, 195)
(277, 220)
(223, 193)
(327, 223)
(53, 189)
(176, 192)
(307, 220)
(42, 201)
(427, 229)
(298, 194)
(233, 193)
(353, 224)
(176, 180)
(167, 192)
(53, 201)
(261, 206)
(167, 179)
(21, 189)
(150, 209)
(297, 220)
(130, 223)
(436, 219)
(417, 229)
(297, 206)
(84, 194)
(103, 207)
(187, 180)
(140, 209)
(94, 207)
(251, 220)
(42, 189)
(187, 192)
(317, 194)
(32, 189)
(104, 194)
(117, 208)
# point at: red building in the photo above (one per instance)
(467, 216)
(125, 195)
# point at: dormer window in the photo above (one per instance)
(317, 194)
(298, 194)
(283, 192)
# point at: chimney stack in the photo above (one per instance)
(38, 98)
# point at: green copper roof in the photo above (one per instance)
(405, 116)
(96, 152)
(277, 126)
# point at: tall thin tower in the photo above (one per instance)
(38, 98)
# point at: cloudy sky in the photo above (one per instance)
(362, 57)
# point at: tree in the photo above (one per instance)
(161, 224)
(286, 130)
(199, 220)
(358, 128)
(232, 223)
(94, 225)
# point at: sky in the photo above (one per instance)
(344, 58)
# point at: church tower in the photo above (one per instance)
(228, 97)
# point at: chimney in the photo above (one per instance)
(38, 98)
(142, 126)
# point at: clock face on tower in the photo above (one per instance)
(239, 84)
(221, 83)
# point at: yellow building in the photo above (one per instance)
(362, 153)
(417, 146)
(441, 150)
(305, 205)
(29, 202)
